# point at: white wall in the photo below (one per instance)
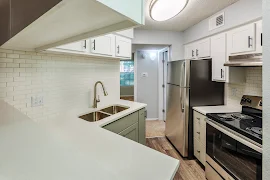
(147, 87)
(238, 13)
(266, 90)
(63, 80)
(155, 37)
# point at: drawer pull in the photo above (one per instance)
(198, 133)
(198, 151)
(199, 118)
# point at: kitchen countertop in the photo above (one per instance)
(68, 148)
(217, 109)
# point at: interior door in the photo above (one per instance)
(218, 53)
(123, 47)
(102, 45)
(242, 39)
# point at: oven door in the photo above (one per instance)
(235, 156)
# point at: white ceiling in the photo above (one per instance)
(195, 11)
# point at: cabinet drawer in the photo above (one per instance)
(123, 123)
(203, 154)
(197, 150)
(211, 174)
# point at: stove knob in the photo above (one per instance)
(248, 100)
(243, 100)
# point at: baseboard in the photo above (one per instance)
(151, 119)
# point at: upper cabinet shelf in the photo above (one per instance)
(39, 25)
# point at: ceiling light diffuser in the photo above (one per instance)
(162, 10)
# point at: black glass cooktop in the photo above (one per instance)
(245, 123)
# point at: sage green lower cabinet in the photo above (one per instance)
(131, 132)
(131, 126)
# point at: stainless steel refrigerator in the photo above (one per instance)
(189, 84)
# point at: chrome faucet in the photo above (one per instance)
(96, 99)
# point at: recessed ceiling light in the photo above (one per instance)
(162, 10)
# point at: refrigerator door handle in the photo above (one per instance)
(182, 107)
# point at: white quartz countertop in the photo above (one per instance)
(68, 148)
(217, 109)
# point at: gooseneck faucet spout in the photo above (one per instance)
(96, 99)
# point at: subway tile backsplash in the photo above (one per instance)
(253, 86)
(64, 81)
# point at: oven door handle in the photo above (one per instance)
(234, 135)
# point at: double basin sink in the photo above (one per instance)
(103, 113)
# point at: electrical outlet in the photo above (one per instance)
(36, 101)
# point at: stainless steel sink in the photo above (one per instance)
(114, 109)
(94, 116)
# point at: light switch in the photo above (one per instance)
(144, 75)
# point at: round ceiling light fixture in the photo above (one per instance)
(162, 10)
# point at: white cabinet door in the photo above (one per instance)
(242, 40)
(259, 38)
(102, 45)
(218, 54)
(203, 48)
(122, 47)
(190, 51)
(79, 46)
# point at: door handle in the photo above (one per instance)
(261, 39)
(249, 41)
(118, 49)
(84, 44)
(221, 73)
(94, 44)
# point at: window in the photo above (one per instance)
(127, 73)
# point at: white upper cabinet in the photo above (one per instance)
(129, 33)
(241, 40)
(102, 45)
(79, 46)
(259, 37)
(123, 47)
(190, 52)
(218, 54)
(203, 48)
(198, 50)
(67, 21)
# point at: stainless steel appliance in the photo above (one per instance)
(189, 84)
(234, 142)
(247, 60)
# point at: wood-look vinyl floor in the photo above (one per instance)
(188, 170)
(155, 128)
(128, 98)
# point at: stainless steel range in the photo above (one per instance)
(234, 142)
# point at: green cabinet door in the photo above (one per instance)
(131, 132)
(142, 139)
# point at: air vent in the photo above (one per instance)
(216, 21)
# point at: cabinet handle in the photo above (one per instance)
(84, 44)
(249, 42)
(198, 118)
(94, 42)
(192, 53)
(261, 40)
(198, 133)
(198, 151)
(197, 52)
(221, 73)
(118, 49)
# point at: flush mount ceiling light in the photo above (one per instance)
(162, 10)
